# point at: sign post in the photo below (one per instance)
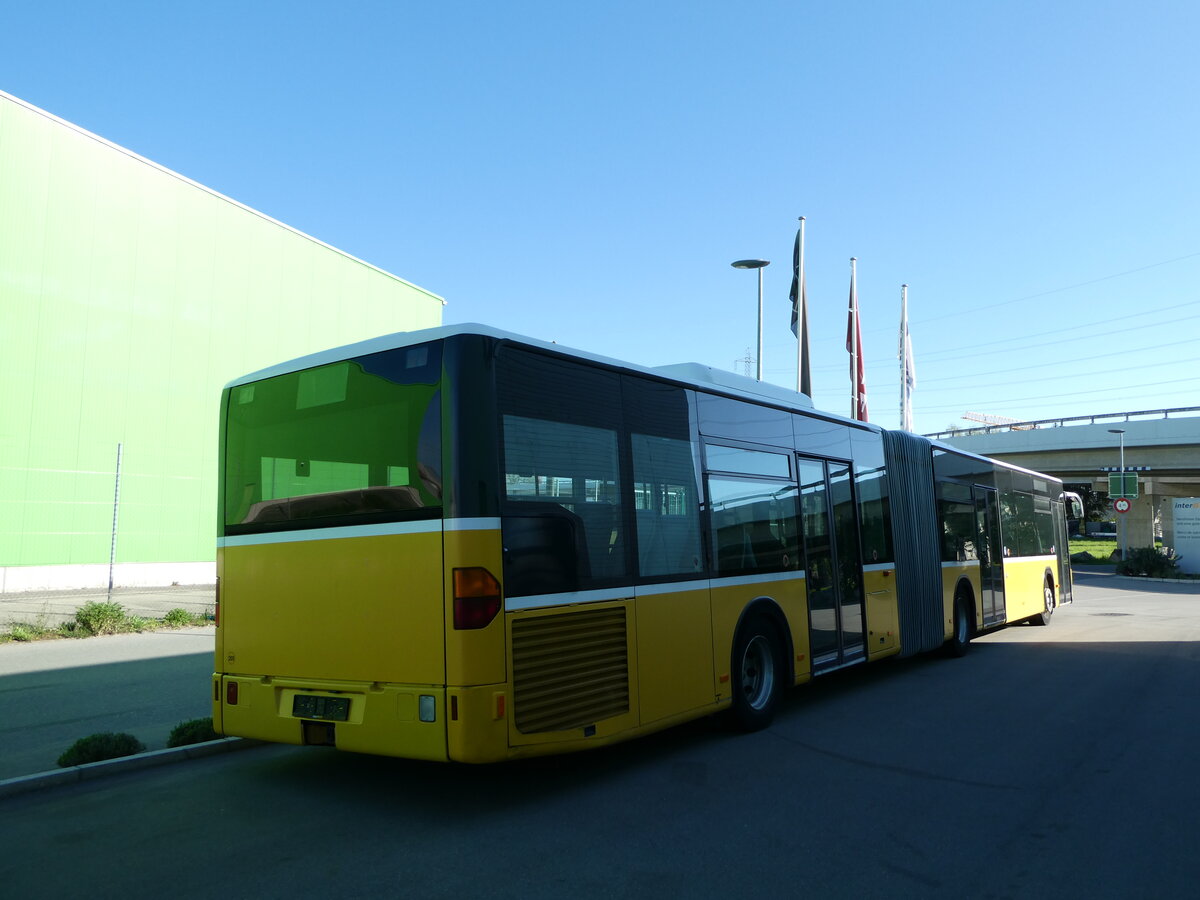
(1123, 484)
(1187, 532)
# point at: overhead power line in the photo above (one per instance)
(1057, 396)
(973, 310)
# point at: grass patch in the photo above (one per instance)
(29, 631)
(95, 618)
(1101, 550)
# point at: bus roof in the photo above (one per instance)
(695, 375)
(947, 448)
(691, 374)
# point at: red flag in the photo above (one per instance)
(858, 375)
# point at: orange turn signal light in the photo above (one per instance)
(477, 598)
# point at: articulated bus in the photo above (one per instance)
(463, 544)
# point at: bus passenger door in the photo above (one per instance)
(833, 568)
(991, 561)
(1062, 547)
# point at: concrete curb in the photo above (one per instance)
(25, 783)
(1111, 573)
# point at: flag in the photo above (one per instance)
(858, 375)
(908, 370)
(799, 298)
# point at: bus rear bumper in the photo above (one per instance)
(387, 719)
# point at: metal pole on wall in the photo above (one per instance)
(112, 547)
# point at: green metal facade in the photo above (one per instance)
(128, 296)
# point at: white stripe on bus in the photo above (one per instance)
(481, 524)
(428, 526)
(600, 595)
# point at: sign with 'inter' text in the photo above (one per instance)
(1187, 532)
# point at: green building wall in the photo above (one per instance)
(128, 296)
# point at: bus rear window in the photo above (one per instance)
(352, 442)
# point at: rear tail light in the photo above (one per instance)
(476, 598)
(231, 692)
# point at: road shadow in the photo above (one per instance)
(43, 712)
(1012, 701)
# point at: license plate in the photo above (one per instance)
(330, 709)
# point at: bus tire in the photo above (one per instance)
(757, 674)
(1043, 618)
(960, 638)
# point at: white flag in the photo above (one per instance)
(908, 369)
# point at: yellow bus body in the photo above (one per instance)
(293, 620)
(288, 627)
(1024, 579)
(644, 538)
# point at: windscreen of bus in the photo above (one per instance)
(353, 442)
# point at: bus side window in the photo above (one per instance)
(753, 525)
(545, 550)
(667, 512)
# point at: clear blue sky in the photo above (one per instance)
(586, 172)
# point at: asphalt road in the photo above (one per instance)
(1049, 762)
(54, 692)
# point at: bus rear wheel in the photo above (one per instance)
(1043, 618)
(960, 638)
(757, 675)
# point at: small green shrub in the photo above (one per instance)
(21, 633)
(194, 731)
(1153, 562)
(177, 618)
(95, 747)
(95, 617)
(181, 618)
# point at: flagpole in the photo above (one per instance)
(802, 320)
(853, 340)
(903, 356)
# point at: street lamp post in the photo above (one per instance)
(759, 264)
(1124, 529)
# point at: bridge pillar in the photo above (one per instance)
(1140, 518)
(1139, 521)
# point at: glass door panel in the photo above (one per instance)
(849, 560)
(820, 579)
(991, 572)
(829, 524)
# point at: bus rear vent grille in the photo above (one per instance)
(569, 670)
